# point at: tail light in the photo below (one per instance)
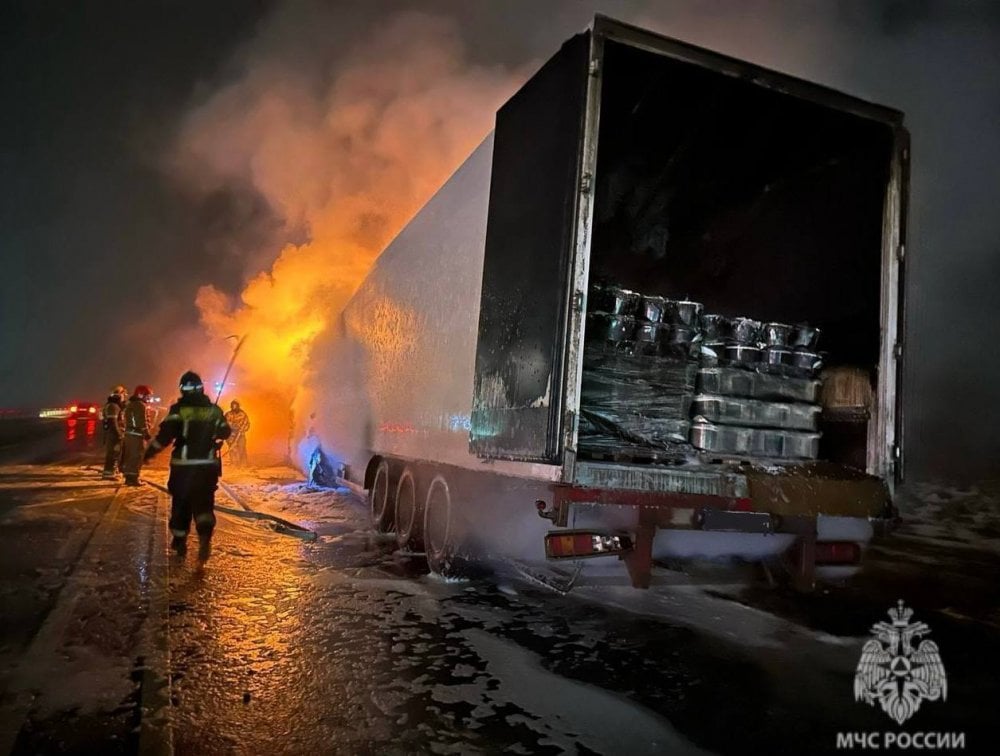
(73, 408)
(92, 410)
(838, 552)
(582, 544)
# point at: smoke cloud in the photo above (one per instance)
(344, 159)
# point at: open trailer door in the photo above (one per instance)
(518, 401)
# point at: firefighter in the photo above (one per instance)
(239, 421)
(197, 428)
(136, 433)
(113, 416)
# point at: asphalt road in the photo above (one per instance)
(278, 645)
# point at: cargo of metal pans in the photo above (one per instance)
(614, 300)
(729, 381)
(598, 428)
(737, 441)
(641, 399)
(730, 410)
(605, 326)
(612, 446)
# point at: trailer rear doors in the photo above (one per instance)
(520, 357)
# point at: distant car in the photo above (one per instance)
(84, 411)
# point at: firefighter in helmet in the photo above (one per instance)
(137, 433)
(239, 421)
(196, 427)
(113, 417)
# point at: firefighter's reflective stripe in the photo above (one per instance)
(179, 533)
(134, 433)
(204, 517)
(204, 414)
(194, 426)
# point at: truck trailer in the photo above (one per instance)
(632, 178)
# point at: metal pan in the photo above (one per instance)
(778, 334)
(652, 309)
(682, 335)
(807, 361)
(775, 356)
(805, 337)
(745, 331)
(687, 313)
(714, 328)
(603, 326)
(614, 300)
(744, 356)
(649, 337)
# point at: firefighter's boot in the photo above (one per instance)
(179, 545)
(204, 548)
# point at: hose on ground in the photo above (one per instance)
(281, 526)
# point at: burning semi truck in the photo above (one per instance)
(660, 306)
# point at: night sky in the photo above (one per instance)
(105, 240)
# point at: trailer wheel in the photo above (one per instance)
(409, 514)
(440, 536)
(382, 500)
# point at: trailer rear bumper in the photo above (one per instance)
(784, 508)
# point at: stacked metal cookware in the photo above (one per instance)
(757, 390)
(639, 375)
(757, 393)
(774, 348)
(632, 323)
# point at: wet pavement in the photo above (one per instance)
(342, 645)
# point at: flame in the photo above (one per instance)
(349, 161)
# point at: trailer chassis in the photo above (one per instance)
(687, 511)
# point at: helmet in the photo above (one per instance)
(234, 405)
(120, 390)
(143, 392)
(191, 382)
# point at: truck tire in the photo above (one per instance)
(440, 536)
(382, 499)
(409, 512)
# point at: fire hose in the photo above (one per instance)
(280, 525)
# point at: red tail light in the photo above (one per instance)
(741, 505)
(581, 544)
(838, 552)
